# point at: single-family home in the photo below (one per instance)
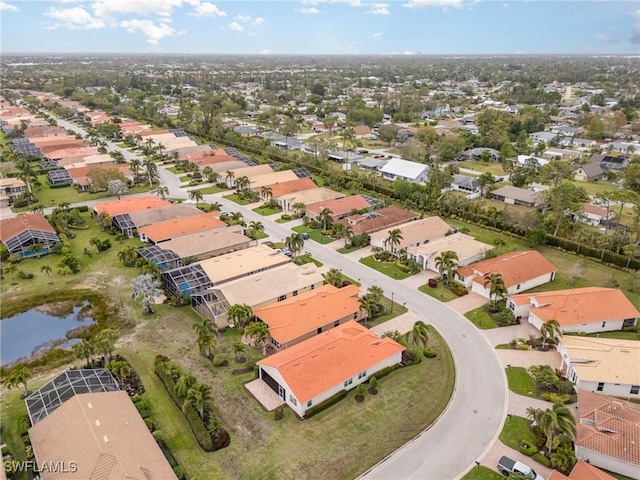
(543, 137)
(609, 162)
(10, 190)
(491, 154)
(307, 197)
(27, 235)
(582, 471)
(81, 176)
(361, 131)
(516, 196)
(589, 172)
(169, 229)
(387, 217)
(128, 205)
(594, 215)
(339, 208)
(520, 271)
(406, 170)
(463, 183)
(560, 154)
(588, 310)
(606, 365)
(277, 190)
(260, 181)
(322, 366)
(371, 164)
(307, 314)
(583, 142)
(413, 234)
(97, 435)
(607, 433)
(129, 223)
(257, 291)
(467, 249)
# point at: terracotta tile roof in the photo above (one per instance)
(10, 227)
(72, 152)
(416, 232)
(104, 435)
(581, 305)
(127, 205)
(305, 313)
(594, 209)
(47, 141)
(291, 186)
(556, 475)
(259, 181)
(361, 130)
(339, 206)
(45, 149)
(515, 267)
(604, 359)
(609, 426)
(149, 133)
(79, 173)
(161, 231)
(319, 363)
(384, 218)
(584, 471)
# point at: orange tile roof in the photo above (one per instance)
(339, 206)
(584, 471)
(580, 305)
(292, 186)
(515, 267)
(72, 152)
(361, 130)
(10, 227)
(326, 360)
(45, 149)
(556, 475)
(388, 217)
(126, 205)
(594, 209)
(297, 316)
(609, 426)
(169, 229)
(79, 172)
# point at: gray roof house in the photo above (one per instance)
(476, 153)
(411, 172)
(463, 183)
(516, 196)
(588, 173)
(609, 162)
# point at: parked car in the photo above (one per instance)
(305, 236)
(508, 466)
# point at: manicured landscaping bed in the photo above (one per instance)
(306, 258)
(390, 269)
(345, 250)
(481, 319)
(266, 211)
(441, 292)
(235, 198)
(314, 235)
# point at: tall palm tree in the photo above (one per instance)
(266, 192)
(128, 255)
(213, 177)
(394, 239)
(376, 293)
(198, 397)
(135, 164)
(163, 191)
(418, 337)
(557, 420)
(240, 314)
(497, 287)
(151, 169)
(105, 342)
(196, 196)
(368, 305)
(242, 183)
(238, 348)
(446, 263)
(551, 331)
(17, 377)
(324, 218)
(138, 139)
(146, 287)
(184, 383)
(205, 335)
(229, 178)
(259, 331)
(84, 350)
(295, 243)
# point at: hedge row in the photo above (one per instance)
(326, 404)
(203, 437)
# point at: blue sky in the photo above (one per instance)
(321, 26)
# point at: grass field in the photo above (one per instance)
(520, 381)
(398, 309)
(306, 258)
(482, 473)
(514, 431)
(345, 250)
(440, 292)
(495, 168)
(235, 198)
(210, 190)
(390, 269)
(314, 235)
(481, 319)
(266, 211)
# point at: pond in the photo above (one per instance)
(38, 330)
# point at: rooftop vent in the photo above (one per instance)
(105, 439)
(98, 423)
(89, 405)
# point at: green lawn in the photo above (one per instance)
(398, 309)
(314, 235)
(390, 269)
(210, 190)
(482, 473)
(324, 446)
(594, 188)
(619, 335)
(345, 250)
(481, 319)
(235, 198)
(306, 258)
(175, 170)
(494, 168)
(520, 381)
(266, 211)
(441, 292)
(514, 431)
(258, 235)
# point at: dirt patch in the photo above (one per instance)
(242, 371)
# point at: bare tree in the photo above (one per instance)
(575, 273)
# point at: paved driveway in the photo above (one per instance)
(467, 302)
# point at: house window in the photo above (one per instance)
(628, 322)
(336, 323)
(362, 375)
(348, 382)
(512, 306)
(282, 297)
(293, 400)
(604, 324)
(355, 316)
(309, 403)
(295, 293)
(518, 287)
(635, 389)
(313, 287)
(275, 343)
(600, 386)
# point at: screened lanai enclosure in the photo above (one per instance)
(22, 243)
(185, 281)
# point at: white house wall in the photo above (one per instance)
(592, 327)
(514, 289)
(608, 463)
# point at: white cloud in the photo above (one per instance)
(236, 26)
(505, 5)
(309, 11)
(636, 13)
(379, 9)
(7, 7)
(602, 37)
(418, 4)
(109, 8)
(352, 3)
(207, 9)
(377, 35)
(265, 52)
(148, 28)
(258, 21)
(243, 18)
(74, 18)
(70, 1)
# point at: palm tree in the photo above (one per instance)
(27, 173)
(376, 293)
(240, 314)
(46, 269)
(324, 218)
(295, 243)
(259, 331)
(205, 335)
(368, 305)
(146, 287)
(119, 369)
(550, 331)
(198, 397)
(84, 350)
(184, 383)
(333, 277)
(128, 255)
(446, 263)
(299, 208)
(557, 419)
(229, 178)
(266, 193)
(499, 243)
(196, 196)
(213, 177)
(348, 234)
(163, 192)
(105, 342)
(135, 165)
(152, 171)
(256, 226)
(497, 289)
(215, 206)
(138, 139)
(238, 349)
(10, 269)
(242, 183)
(394, 239)
(17, 377)
(418, 337)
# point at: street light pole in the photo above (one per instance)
(391, 302)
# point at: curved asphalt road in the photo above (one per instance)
(475, 414)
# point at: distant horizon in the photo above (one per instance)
(260, 55)
(321, 27)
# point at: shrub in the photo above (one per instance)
(458, 289)
(430, 353)
(144, 413)
(541, 459)
(411, 357)
(527, 448)
(219, 360)
(326, 404)
(386, 371)
(25, 275)
(83, 208)
(178, 471)
(157, 435)
(556, 397)
(149, 423)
